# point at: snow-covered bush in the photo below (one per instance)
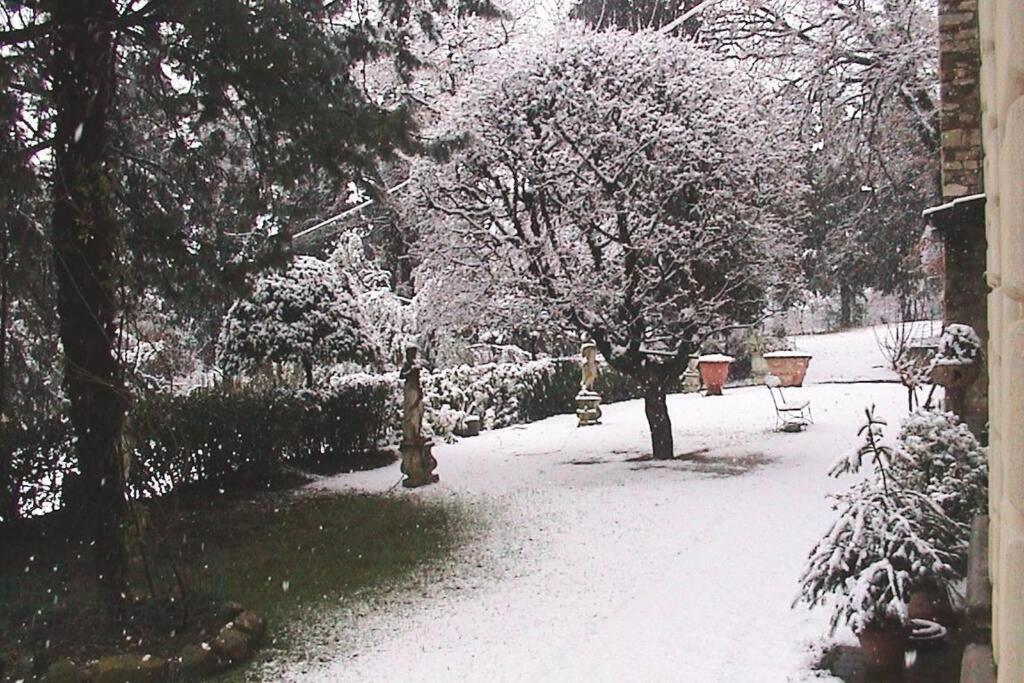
(958, 345)
(884, 544)
(501, 394)
(389, 320)
(888, 540)
(208, 435)
(303, 315)
(938, 456)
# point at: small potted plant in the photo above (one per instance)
(886, 541)
(938, 456)
(956, 361)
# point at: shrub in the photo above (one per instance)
(217, 434)
(34, 456)
(210, 435)
(213, 435)
(303, 315)
(888, 540)
(939, 457)
(504, 394)
(958, 345)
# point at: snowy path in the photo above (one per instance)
(596, 568)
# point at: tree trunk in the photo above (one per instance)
(85, 238)
(307, 370)
(8, 493)
(657, 418)
(845, 306)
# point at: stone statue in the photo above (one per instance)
(588, 402)
(589, 368)
(417, 461)
(412, 398)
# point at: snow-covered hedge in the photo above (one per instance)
(501, 394)
(215, 434)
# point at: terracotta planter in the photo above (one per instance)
(470, 426)
(955, 376)
(714, 371)
(789, 366)
(884, 647)
(931, 603)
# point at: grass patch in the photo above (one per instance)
(316, 549)
(276, 553)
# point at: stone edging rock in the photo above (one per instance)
(235, 643)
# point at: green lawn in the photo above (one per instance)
(279, 554)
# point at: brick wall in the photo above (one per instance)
(960, 118)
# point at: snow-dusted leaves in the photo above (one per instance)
(958, 345)
(303, 315)
(893, 533)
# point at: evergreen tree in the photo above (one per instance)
(180, 141)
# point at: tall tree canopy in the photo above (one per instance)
(179, 142)
(629, 182)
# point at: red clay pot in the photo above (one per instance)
(714, 371)
(955, 376)
(789, 366)
(931, 603)
(884, 647)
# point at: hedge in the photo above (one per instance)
(209, 435)
(213, 435)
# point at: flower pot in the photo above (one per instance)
(470, 426)
(926, 635)
(789, 366)
(714, 371)
(932, 603)
(884, 647)
(954, 375)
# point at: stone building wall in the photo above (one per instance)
(1002, 107)
(962, 227)
(960, 117)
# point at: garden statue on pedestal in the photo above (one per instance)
(588, 402)
(417, 462)
(691, 376)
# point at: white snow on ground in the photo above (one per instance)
(855, 354)
(616, 570)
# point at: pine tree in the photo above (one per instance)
(181, 141)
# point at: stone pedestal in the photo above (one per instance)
(691, 376)
(758, 367)
(418, 464)
(588, 408)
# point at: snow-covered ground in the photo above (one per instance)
(596, 567)
(854, 355)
